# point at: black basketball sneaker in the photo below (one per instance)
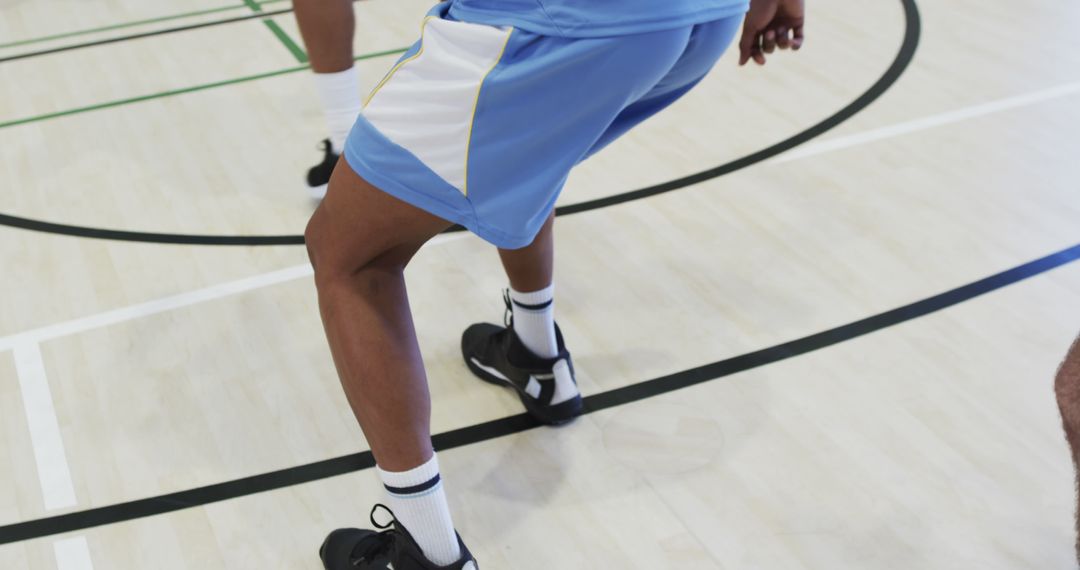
(545, 386)
(390, 548)
(318, 177)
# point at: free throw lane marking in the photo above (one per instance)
(56, 489)
(72, 554)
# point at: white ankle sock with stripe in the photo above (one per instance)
(341, 102)
(419, 503)
(534, 320)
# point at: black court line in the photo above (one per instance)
(514, 424)
(913, 31)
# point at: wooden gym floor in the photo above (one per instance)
(149, 384)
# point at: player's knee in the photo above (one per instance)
(357, 266)
(330, 257)
(315, 239)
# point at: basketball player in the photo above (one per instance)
(479, 124)
(327, 28)
(1067, 387)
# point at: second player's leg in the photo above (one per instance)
(327, 27)
(1067, 388)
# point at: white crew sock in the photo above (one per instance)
(534, 320)
(340, 95)
(419, 503)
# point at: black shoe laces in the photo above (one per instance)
(383, 543)
(508, 316)
(329, 156)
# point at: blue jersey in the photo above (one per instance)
(594, 18)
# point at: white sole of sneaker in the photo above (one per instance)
(554, 415)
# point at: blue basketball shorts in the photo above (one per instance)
(480, 125)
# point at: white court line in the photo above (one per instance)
(165, 304)
(162, 305)
(52, 466)
(930, 122)
(72, 554)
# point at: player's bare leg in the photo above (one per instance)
(327, 27)
(529, 354)
(531, 268)
(360, 240)
(1067, 388)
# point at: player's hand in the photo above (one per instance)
(771, 24)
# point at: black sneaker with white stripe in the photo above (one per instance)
(318, 177)
(545, 386)
(389, 548)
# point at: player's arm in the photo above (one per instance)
(771, 24)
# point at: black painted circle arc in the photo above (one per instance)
(903, 59)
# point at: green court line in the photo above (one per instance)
(296, 50)
(192, 89)
(133, 23)
(284, 38)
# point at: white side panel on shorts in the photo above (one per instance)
(428, 102)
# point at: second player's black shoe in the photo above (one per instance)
(318, 177)
(390, 548)
(545, 386)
